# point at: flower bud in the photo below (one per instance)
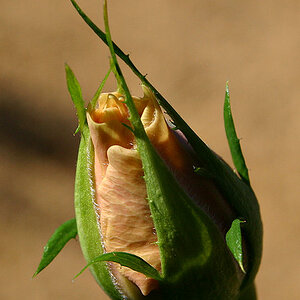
(159, 215)
(128, 221)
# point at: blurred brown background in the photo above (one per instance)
(189, 50)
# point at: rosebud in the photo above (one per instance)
(190, 253)
(159, 215)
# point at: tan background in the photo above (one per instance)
(189, 49)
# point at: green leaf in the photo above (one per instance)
(131, 261)
(58, 240)
(234, 242)
(233, 141)
(76, 96)
(99, 90)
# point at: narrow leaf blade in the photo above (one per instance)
(99, 90)
(234, 242)
(128, 260)
(57, 241)
(76, 96)
(233, 141)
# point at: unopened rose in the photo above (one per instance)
(159, 215)
(124, 215)
(156, 218)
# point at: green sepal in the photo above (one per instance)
(99, 90)
(129, 260)
(85, 209)
(117, 77)
(86, 215)
(233, 141)
(57, 241)
(186, 262)
(234, 242)
(76, 96)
